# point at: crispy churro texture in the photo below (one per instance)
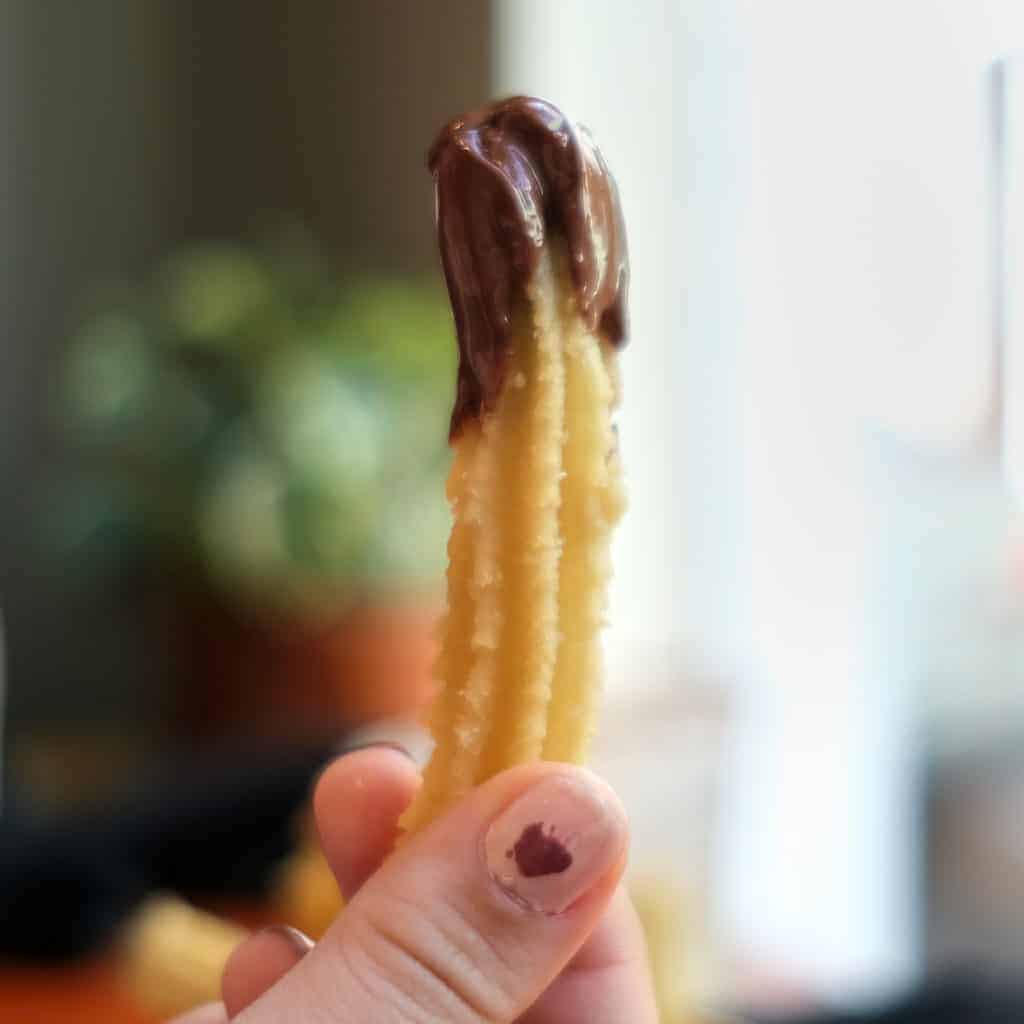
(534, 255)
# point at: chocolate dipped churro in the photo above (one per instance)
(534, 253)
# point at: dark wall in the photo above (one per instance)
(135, 124)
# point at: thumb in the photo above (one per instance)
(471, 919)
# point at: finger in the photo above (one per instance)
(357, 803)
(473, 918)
(258, 963)
(211, 1013)
(608, 981)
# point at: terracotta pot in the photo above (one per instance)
(251, 677)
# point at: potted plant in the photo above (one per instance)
(271, 441)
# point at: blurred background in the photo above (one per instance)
(226, 369)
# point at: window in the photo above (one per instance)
(810, 190)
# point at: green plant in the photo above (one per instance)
(245, 416)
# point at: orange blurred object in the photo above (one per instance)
(281, 680)
(94, 991)
(88, 994)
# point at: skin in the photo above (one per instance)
(504, 962)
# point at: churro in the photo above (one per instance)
(534, 254)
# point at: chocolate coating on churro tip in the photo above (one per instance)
(508, 178)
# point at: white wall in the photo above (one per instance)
(865, 284)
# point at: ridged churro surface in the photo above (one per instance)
(535, 490)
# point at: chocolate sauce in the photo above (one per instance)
(509, 178)
(538, 854)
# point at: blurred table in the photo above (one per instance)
(85, 994)
(88, 992)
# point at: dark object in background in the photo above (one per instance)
(285, 680)
(212, 825)
(955, 1001)
(259, 445)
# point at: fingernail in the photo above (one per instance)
(555, 842)
(291, 937)
(381, 745)
(368, 745)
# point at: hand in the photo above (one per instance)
(508, 908)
